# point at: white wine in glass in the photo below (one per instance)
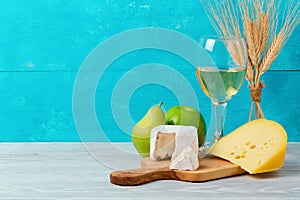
(221, 85)
(223, 79)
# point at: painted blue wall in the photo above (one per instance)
(44, 43)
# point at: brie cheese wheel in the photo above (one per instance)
(184, 155)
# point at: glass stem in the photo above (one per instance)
(219, 112)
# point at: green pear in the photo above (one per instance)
(142, 130)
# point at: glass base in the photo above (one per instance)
(205, 149)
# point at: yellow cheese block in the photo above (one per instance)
(258, 146)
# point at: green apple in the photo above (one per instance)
(187, 116)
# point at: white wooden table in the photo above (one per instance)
(78, 171)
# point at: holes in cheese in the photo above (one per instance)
(258, 146)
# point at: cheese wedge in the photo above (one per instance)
(258, 146)
(186, 160)
(184, 150)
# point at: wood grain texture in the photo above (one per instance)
(44, 49)
(210, 168)
(58, 35)
(68, 171)
(37, 106)
(140, 176)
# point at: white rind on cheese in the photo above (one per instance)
(186, 160)
(185, 155)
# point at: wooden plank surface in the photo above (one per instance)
(37, 106)
(58, 35)
(69, 171)
(44, 49)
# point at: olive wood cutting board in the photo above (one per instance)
(210, 168)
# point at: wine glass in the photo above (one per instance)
(222, 79)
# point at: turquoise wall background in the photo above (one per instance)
(44, 43)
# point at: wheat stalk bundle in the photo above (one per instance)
(266, 25)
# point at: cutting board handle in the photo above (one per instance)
(141, 175)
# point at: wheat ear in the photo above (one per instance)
(251, 35)
(263, 31)
(272, 52)
(250, 72)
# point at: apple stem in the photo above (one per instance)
(160, 103)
